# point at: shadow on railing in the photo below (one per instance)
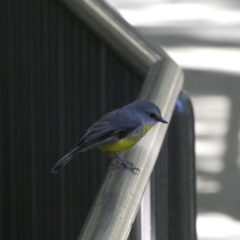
(173, 182)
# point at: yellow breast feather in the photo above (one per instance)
(120, 145)
(126, 142)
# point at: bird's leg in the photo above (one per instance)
(128, 165)
(121, 161)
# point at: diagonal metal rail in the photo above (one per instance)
(119, 197)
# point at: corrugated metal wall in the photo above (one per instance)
(57, 78)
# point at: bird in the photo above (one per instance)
(117, 131)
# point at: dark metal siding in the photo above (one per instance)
(57, 78)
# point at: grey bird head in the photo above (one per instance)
(148, 112)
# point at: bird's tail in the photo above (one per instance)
(64, 160)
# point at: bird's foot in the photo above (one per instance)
(128, 165)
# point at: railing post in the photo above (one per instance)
(174, 193)
(159, 194)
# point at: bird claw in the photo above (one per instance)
(128, 165)
(132, 168)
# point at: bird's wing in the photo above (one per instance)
(102, 133)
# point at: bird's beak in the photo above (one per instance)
(160, 119)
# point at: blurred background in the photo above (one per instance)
(203, 37)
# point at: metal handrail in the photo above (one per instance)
(118, 200)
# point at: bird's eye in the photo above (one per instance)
(152, 115)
